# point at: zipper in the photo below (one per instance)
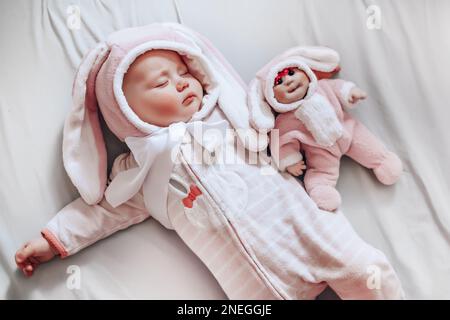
(230, 228)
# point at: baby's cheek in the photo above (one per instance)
(165, 105)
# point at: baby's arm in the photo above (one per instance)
(347, 92)
(79, 225)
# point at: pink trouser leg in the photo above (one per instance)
(362, 273)
(321, 176)
(368, 150)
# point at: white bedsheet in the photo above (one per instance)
(404, 67)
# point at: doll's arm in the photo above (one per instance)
(289, 154)
(346, 91)
(285, 153)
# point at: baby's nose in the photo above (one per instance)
(182, 85)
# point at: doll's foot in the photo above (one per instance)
(389, 171)
(326, 197)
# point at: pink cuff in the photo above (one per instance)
(289, 160)
(345, 94)
(54, 242)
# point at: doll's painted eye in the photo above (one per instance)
(291, 72)
(279, 81)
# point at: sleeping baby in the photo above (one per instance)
(162, 89)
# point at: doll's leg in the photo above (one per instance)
(322, 172)
(368, 150)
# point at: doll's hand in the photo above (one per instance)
(355, 95)
(32, 254)
(296, 169)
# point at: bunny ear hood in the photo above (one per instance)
(126, 45)
(98, 86)
(314, 61)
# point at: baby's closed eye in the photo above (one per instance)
(183, 72)
(158, 83)
(161, 84)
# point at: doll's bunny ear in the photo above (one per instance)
(84, 151)
(326, 75)
(322, 60)
(261, 115)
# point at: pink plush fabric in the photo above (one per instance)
(317, 125)
(357, 142)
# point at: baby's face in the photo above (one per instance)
(160, 90)
(291, 87)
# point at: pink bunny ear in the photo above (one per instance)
(322, 59)
(261, 115)
(84, 151)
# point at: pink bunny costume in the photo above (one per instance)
(318, 126)
(260, 235)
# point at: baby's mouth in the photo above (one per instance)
(189, 98)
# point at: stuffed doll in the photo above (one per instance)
(312, 119)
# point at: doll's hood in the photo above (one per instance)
(316, 62)
(269, 74)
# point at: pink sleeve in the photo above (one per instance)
(79, 225)
(342, 90)
(288, 152)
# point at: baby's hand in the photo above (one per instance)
(297, 168)
(356, 94)
(33, 253)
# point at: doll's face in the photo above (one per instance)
(291, 87)
(160, 90)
